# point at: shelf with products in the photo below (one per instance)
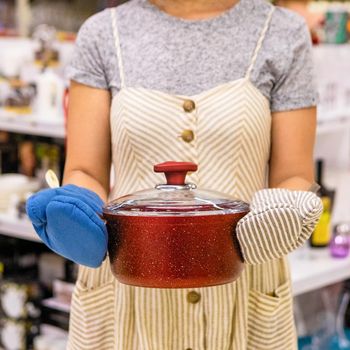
(334, 90)
(53, 303)
(312, 269)
(339, 180)
(18, 228)
(336, 121)
(28, 124)
(19, 16)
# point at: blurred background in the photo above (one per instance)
(36, 42)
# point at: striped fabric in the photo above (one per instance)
(279, 222)
(231, 125)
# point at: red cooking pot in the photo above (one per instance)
(174, 236)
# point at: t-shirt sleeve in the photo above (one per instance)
(87, 66)
(295, 88)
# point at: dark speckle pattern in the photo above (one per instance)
(174, 251)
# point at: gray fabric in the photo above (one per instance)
(186, 57)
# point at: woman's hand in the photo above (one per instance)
(67, 220)
(282, 218)
(280, 221)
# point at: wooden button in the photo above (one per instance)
(189, 106)
(193, 297)
(187, 135)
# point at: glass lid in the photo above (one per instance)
(175, 197)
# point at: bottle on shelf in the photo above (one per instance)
(340, 243)
(49, 100)
(20, 293)
(322, 234)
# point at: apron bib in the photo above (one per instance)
(226, 131)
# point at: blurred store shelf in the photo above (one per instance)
(17, 228)
(55, 304)
(312, 269)
(27, 124)
(334, 122)
(339, 180)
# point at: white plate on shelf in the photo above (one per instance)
(15, 186)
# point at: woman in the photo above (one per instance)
(188, 80)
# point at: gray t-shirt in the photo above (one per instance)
(186, 57)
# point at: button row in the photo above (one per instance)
(188, 135)
(193, 298)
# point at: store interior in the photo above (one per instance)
(36, 44)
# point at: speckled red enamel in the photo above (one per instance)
(174, 251)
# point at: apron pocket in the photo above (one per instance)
(92, 318)
(270, 320)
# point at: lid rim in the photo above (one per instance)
(143, 210)
(155, 214)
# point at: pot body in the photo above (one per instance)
(174, 251)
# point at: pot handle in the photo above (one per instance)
(175, 172)
(102, 218)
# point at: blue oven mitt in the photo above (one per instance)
(67, 221)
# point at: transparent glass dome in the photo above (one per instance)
(175, 198)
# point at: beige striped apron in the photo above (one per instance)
(226, 130)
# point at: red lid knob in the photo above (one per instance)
(175, 172)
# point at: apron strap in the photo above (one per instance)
(118, 47)
(260, 42)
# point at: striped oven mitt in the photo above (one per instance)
(280, 221)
